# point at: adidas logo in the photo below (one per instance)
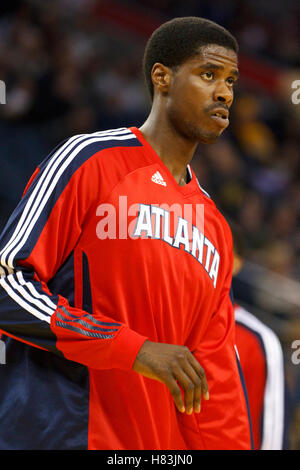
(158, 179)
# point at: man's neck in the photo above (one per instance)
(175, 151)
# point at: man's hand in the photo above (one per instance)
(169, 364)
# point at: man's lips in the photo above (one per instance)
(220, 115)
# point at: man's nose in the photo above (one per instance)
(223, 94)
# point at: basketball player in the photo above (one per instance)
(114, 307)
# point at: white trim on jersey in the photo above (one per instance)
(273, 412)
(34, 292)
(42, 191)
(190, 172)
(237, 352)
(22, 303)
(19, 289)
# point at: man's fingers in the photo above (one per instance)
(169, 363)
(188, 386)
(201, 375)
(197, 384)
(176, 393)
(191, 377)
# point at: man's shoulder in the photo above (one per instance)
(85, 152)
(76, 151)
(98, 141)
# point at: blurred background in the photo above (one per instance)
(74, 66)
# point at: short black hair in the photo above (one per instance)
(179, 39)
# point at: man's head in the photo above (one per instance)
(190, 65)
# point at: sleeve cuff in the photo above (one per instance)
(127, 345)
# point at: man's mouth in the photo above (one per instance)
(221, 117)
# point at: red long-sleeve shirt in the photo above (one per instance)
(95, 260)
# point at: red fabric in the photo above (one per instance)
(146, 288)
(174, 303)
(254, 369)
(219, 428)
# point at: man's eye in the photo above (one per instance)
(231, 81)
(207, 75)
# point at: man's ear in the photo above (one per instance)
(161, 77)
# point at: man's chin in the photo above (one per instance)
(210, 138)
(198, 134)
(205, 136)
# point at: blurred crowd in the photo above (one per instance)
(74, 66)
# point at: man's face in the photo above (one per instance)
(201, 94)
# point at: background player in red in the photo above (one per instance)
(112, 312)
(262, 361)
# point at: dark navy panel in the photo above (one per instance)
(63, 281)
(44, 400)
(19, 322)
(87, 303)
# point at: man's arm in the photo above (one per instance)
(40, 235)
(42, 232)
